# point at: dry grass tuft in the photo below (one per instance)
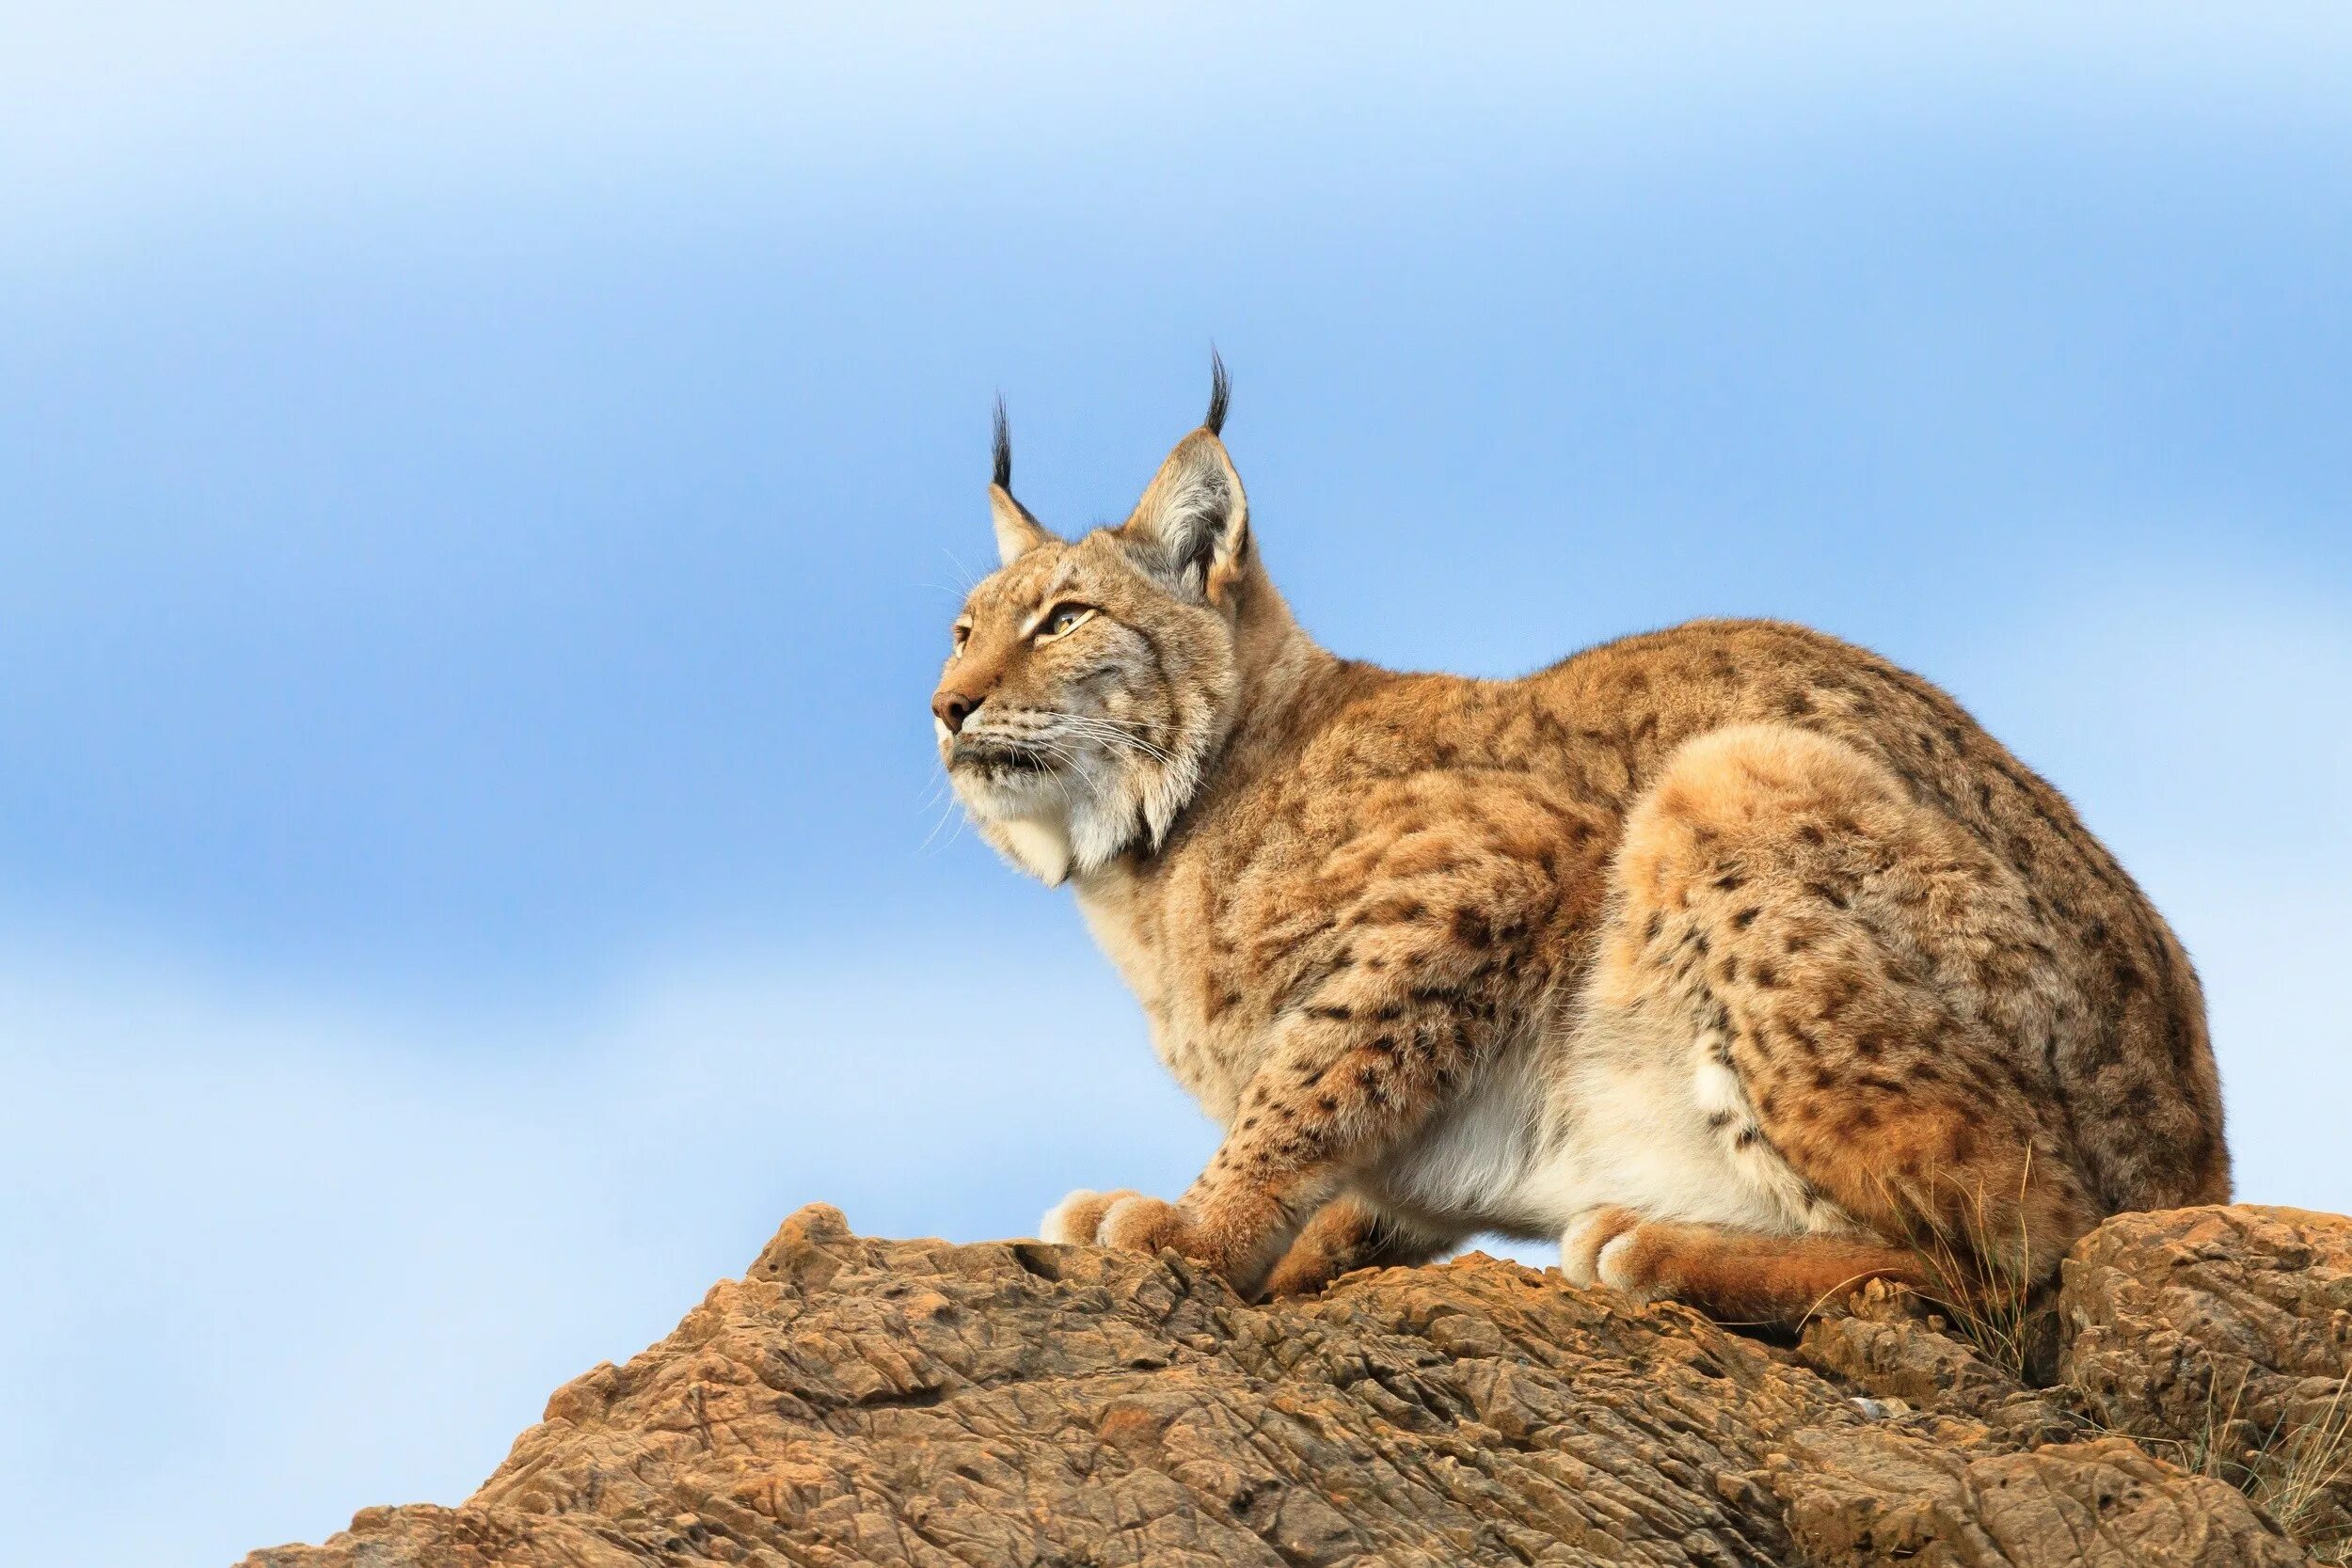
(1984, 1283)
(2292, 1472)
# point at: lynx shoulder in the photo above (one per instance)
(1737, 960)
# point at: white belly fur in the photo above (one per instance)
(1611, 1115)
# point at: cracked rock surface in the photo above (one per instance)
(2222, 1336)
(852, 1400)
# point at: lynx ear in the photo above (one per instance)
(1017, 532)
(1192, 527)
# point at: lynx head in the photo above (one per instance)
(1093, 680)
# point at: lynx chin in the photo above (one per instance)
(1736, 958)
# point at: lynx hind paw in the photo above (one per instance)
(1078, 1220)
(1599, 1248)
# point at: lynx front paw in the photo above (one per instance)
(1078, 1220)
(1139, 1224)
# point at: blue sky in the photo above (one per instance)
(482, 492)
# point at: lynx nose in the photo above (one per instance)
(952, 709)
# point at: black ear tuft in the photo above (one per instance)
(1220, 394)
(1002, 447)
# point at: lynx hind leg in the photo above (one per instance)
(1876, 991)
(1347, 1235)
(1733, 1275)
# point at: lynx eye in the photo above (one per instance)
(961, 634)
(1062, 620)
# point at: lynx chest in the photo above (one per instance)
(1158, 938)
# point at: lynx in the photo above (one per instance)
(1739, 960)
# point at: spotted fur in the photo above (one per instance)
(1735, 957)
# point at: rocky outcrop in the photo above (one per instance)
(2221, 1338)
(852, 1401)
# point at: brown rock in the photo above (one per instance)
(2221, 1338)
(1890, 1345)
(1876, 1498)
(855, 1401)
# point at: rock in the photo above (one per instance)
(2221, 1338)
(852, 1401)
(2102, 1504)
